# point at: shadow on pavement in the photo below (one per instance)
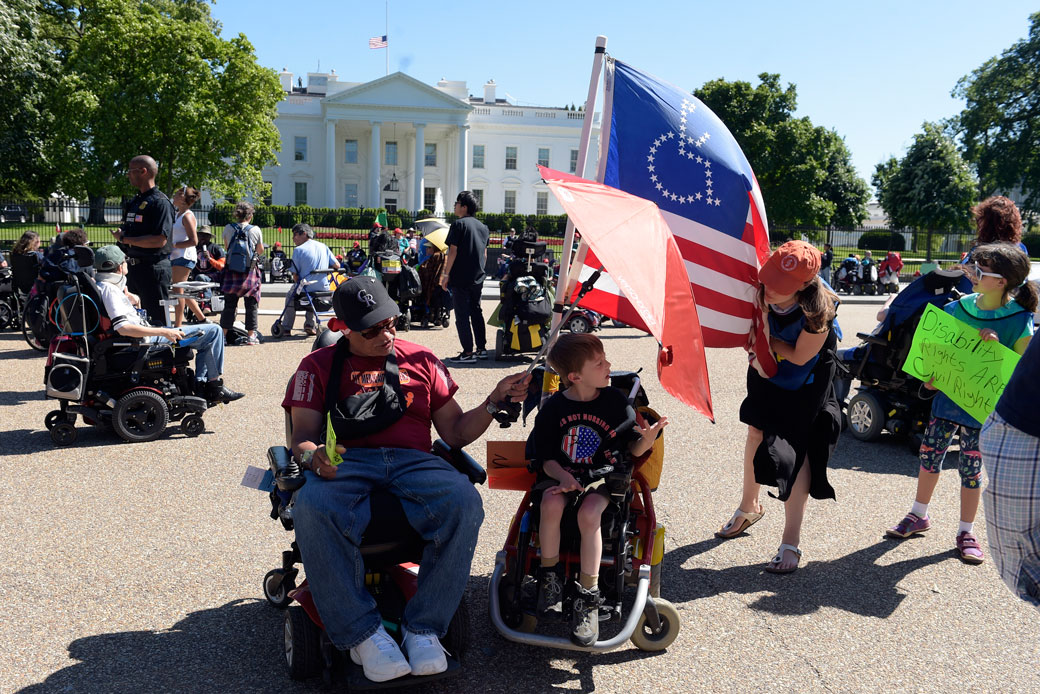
(14, 397)
(855, 583)
(234, 647)
(889, 455)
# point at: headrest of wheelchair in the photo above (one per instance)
(83, 255)
(329, 337)
(521, 247)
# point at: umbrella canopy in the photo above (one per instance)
(436, 238)
(629, 238)
(430, 224)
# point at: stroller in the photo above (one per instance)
(303, 296)
(888, 272)
(527, 301)
(122, 383)
(633, 547)
(888, 398)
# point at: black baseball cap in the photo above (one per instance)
(362, 302)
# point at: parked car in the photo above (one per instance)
(11, 213)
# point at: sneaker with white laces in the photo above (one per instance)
(425, 653)
(380, 658)
(463, 358)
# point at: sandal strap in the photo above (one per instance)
(786, 547)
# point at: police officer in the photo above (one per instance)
(146, 237)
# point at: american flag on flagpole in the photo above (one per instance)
(377, 42)
(664, 145)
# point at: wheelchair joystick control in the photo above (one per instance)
(506, 413)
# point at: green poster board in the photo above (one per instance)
(951, 354)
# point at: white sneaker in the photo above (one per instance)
(380, 657)
(425, 653)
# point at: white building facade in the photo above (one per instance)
(397, 143)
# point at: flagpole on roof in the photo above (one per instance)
(386, 30)
(583, 153)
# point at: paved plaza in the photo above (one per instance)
(137, 568)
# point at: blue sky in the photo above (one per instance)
(873, 71)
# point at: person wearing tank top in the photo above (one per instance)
(184, 256)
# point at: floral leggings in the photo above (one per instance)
(937, 439)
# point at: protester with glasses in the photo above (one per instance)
(1001, 309)
(387, 444)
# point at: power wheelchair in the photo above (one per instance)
(126, 384)
(391, 549)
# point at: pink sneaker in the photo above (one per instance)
(911, 524)
(969, 549)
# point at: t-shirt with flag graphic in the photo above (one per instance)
(584, 435)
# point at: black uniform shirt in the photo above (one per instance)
(149, 214)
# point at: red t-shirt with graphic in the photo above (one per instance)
(425, 383)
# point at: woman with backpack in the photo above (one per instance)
(241, 277)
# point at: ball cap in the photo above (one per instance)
(108, 258)
(790, 267)
(362, 302)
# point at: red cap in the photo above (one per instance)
(790, 267)
(277, 244)
(377, 224)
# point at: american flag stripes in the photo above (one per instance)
(377, 42)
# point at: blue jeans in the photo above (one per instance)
(331, 516)
(466, 301)
(209, 350)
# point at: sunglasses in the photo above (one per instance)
(377, 330)
(975, 271)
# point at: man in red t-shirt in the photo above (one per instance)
(331, 512)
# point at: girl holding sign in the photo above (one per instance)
(793, 418)
(1002, 309)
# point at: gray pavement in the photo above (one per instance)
(137, 568)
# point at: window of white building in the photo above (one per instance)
(574, 161)
(541, 203)
(350, 195)
(509, 205)
(510, 157)
(301, 193)
(429, 198)
(390, 204)
(431, 154)
(299, 148)
(390, 155)
(543, 156)
(478, 156)
(479, 195)
(350, 152)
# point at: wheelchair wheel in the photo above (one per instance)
(457, 638)
(446, 322)
(302, 644)
(646, 640)
(140, 415)
(276, 329)
(857, 289)
(63, 434)
(866, 416)
(53, 419)
(277, 587)
(8, 316)
(192, 425)
(30, 338)
(579, 324)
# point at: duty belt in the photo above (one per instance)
(145, 260)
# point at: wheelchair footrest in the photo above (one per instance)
(357, 682)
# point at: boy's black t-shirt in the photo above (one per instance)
(584, 434)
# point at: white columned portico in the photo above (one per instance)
(420, 163)
(463, 169)
(330, 163)
(374, 166)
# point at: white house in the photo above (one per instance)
(397, 143)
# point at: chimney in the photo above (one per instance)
(489, 92)
(286, 79)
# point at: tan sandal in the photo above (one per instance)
(773, 566)
(741, 521)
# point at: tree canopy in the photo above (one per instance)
(930, 188)
(1000, 124)
(805, 171)
(155, 77)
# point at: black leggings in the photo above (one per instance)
(227, 316)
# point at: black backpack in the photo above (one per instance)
(408, 284)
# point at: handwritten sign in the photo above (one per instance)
(971, 371)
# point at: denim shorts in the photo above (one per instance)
(183, 262)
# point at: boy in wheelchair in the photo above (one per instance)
(122, 309)
(582, 438)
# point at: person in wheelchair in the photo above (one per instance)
(580, 435)
(122, 309)
(379, 396)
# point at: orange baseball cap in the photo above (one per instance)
(790, 267)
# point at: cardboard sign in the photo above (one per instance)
(971, 371)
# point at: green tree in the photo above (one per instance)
(1000, 124)
(155, 77)
(929, 189)
(805, 171)
(29, 74)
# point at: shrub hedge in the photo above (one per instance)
(882, 241)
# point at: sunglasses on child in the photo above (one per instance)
(377, 330)
(978, 273)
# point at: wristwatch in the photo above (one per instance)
(306, 457)
(491, 407)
